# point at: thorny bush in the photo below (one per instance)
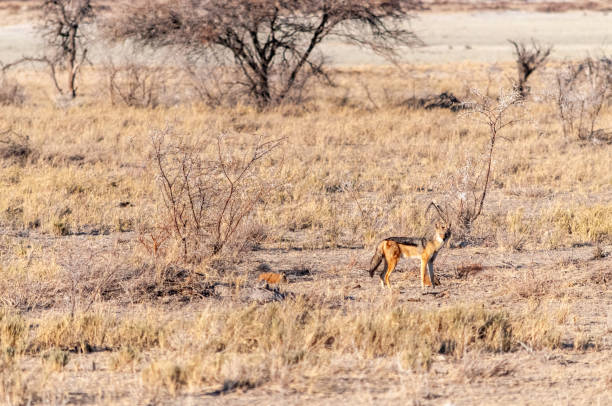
(209, 189)
(468, 187)
(583, 89)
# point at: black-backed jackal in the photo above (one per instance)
(391, 249)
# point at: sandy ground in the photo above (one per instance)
(483, 36)
(465, 36)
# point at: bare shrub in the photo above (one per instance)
(470, 184)
(206, 201)
(527, 61)
(213, 83)
(135, 84)
(270, 46)
(464, 271)
(14, 147)
(582, 91)
(62, 25)
(445, 100)
(62, 28)
(11, 92)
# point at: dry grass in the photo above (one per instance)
(342, 187)
(87, 298)
(283, 338)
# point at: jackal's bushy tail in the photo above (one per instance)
(376, 260)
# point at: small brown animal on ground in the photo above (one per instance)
(272, 277)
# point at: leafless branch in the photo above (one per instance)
(527, 61)
(62, 26)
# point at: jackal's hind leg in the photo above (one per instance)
(384, 271)
(390, 268)
(375, 262)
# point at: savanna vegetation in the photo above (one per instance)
(138, 209)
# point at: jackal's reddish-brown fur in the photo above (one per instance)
(272, 277)
(391, 249)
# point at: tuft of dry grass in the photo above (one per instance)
(528, 285)
(55, 359)
(124, 357)
(581, 224)
(167, 374)
(13, 338)
(17, 387)
(474, 368)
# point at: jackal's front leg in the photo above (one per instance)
(430, 270)
(425, 281)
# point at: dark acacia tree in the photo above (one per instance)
(62, 27)
(271, 44)
(528, 59)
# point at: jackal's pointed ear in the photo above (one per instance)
(441, 213)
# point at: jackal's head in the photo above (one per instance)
(443, 227)
(443, 230)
